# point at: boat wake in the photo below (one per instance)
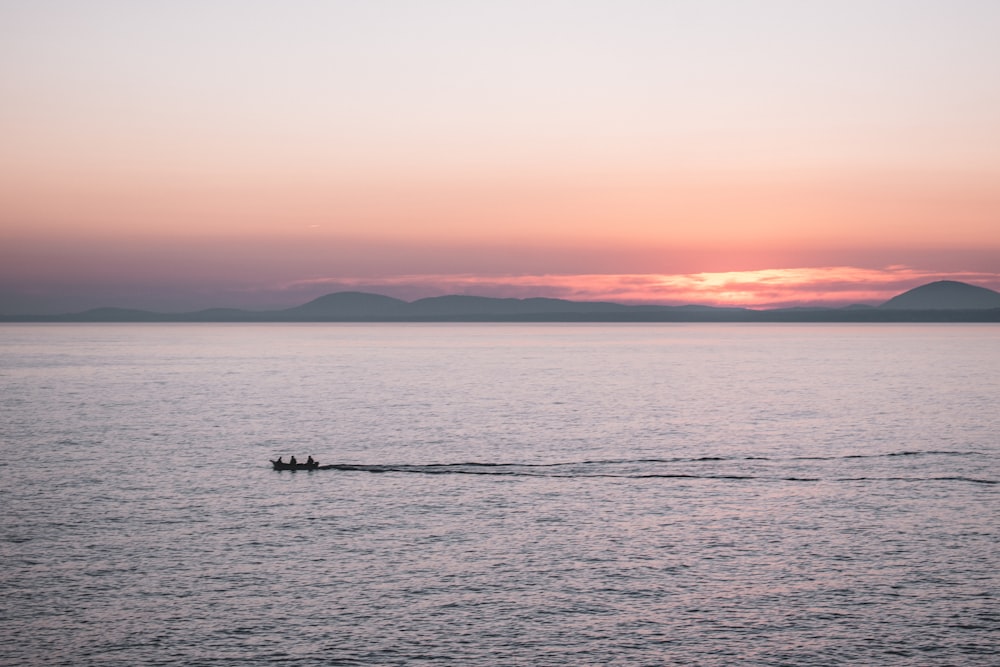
(789, 469)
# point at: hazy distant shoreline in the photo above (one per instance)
(668, 315)
(941, 301)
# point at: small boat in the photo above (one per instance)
(284, 465)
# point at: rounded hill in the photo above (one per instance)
(945, 295)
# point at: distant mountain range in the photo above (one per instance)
(943, 301)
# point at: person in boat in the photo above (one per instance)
(309, 461)
(292, 461)
(279, 461)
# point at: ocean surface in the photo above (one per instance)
(568, 494)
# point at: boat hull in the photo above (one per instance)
(297, 466)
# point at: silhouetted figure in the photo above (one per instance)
(280, 461)
(292, 461)
(310, 460)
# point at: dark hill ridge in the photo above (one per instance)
(943, 301)
(349, 305)
(945, 295)
(455, 305)
(363, 305)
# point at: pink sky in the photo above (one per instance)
(187, 155)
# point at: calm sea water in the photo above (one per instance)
(504, 495)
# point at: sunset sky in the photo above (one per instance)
(250, 153)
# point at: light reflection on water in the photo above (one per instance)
(703, 494)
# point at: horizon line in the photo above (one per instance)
(828, 287)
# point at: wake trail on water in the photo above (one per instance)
(705, 467)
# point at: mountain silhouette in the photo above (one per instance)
(943, 301)
(462, 305)
(349, 305)
(944, 295)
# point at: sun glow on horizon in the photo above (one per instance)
(766, 288)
